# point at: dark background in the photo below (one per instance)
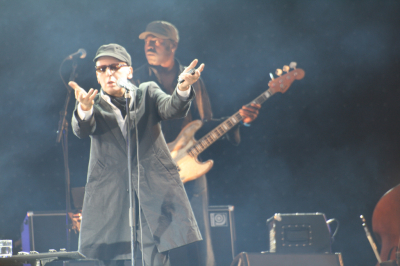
(329, 144)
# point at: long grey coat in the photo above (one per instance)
(105, 231)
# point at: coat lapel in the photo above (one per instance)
(112, 123)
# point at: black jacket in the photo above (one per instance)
(105, 231)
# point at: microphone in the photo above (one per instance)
(126, 84)
(81, 53)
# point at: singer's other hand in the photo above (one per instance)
(250, 112)
(188, 78)
(86, 99)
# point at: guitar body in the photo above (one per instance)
(189, 167)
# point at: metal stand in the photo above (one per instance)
(132, 199)
(62, 135)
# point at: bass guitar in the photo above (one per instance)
(185, 149)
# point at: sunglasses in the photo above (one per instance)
(113, 67)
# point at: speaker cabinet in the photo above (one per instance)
(223, 233)
(299, 233)
(268, 259)
(42, 231)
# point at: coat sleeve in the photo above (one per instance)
(82, 128)
(169, 106)
(202, 102)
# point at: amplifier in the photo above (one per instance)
(223, 235)
(42, 231)
(268, 259)
(299, 233)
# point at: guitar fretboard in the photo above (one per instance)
(224, 127)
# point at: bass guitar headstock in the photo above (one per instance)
(282, 82)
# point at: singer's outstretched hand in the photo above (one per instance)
(188, 78)
(86, 99)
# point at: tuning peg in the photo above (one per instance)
(272, 76)
(293, 65)
(286, 68)
(278, 72)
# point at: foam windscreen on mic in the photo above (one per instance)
(82, 53)
(126, 84)
(122, 83)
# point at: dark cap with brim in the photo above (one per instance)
(161, 29)
(113, 50)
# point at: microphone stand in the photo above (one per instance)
(132, 197)
(62, 135)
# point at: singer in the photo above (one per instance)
(167, 218)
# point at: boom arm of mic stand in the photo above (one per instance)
(63, 114)
(62, 123)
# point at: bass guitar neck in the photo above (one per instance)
(185, 149)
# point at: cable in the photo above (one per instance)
(337, 226)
